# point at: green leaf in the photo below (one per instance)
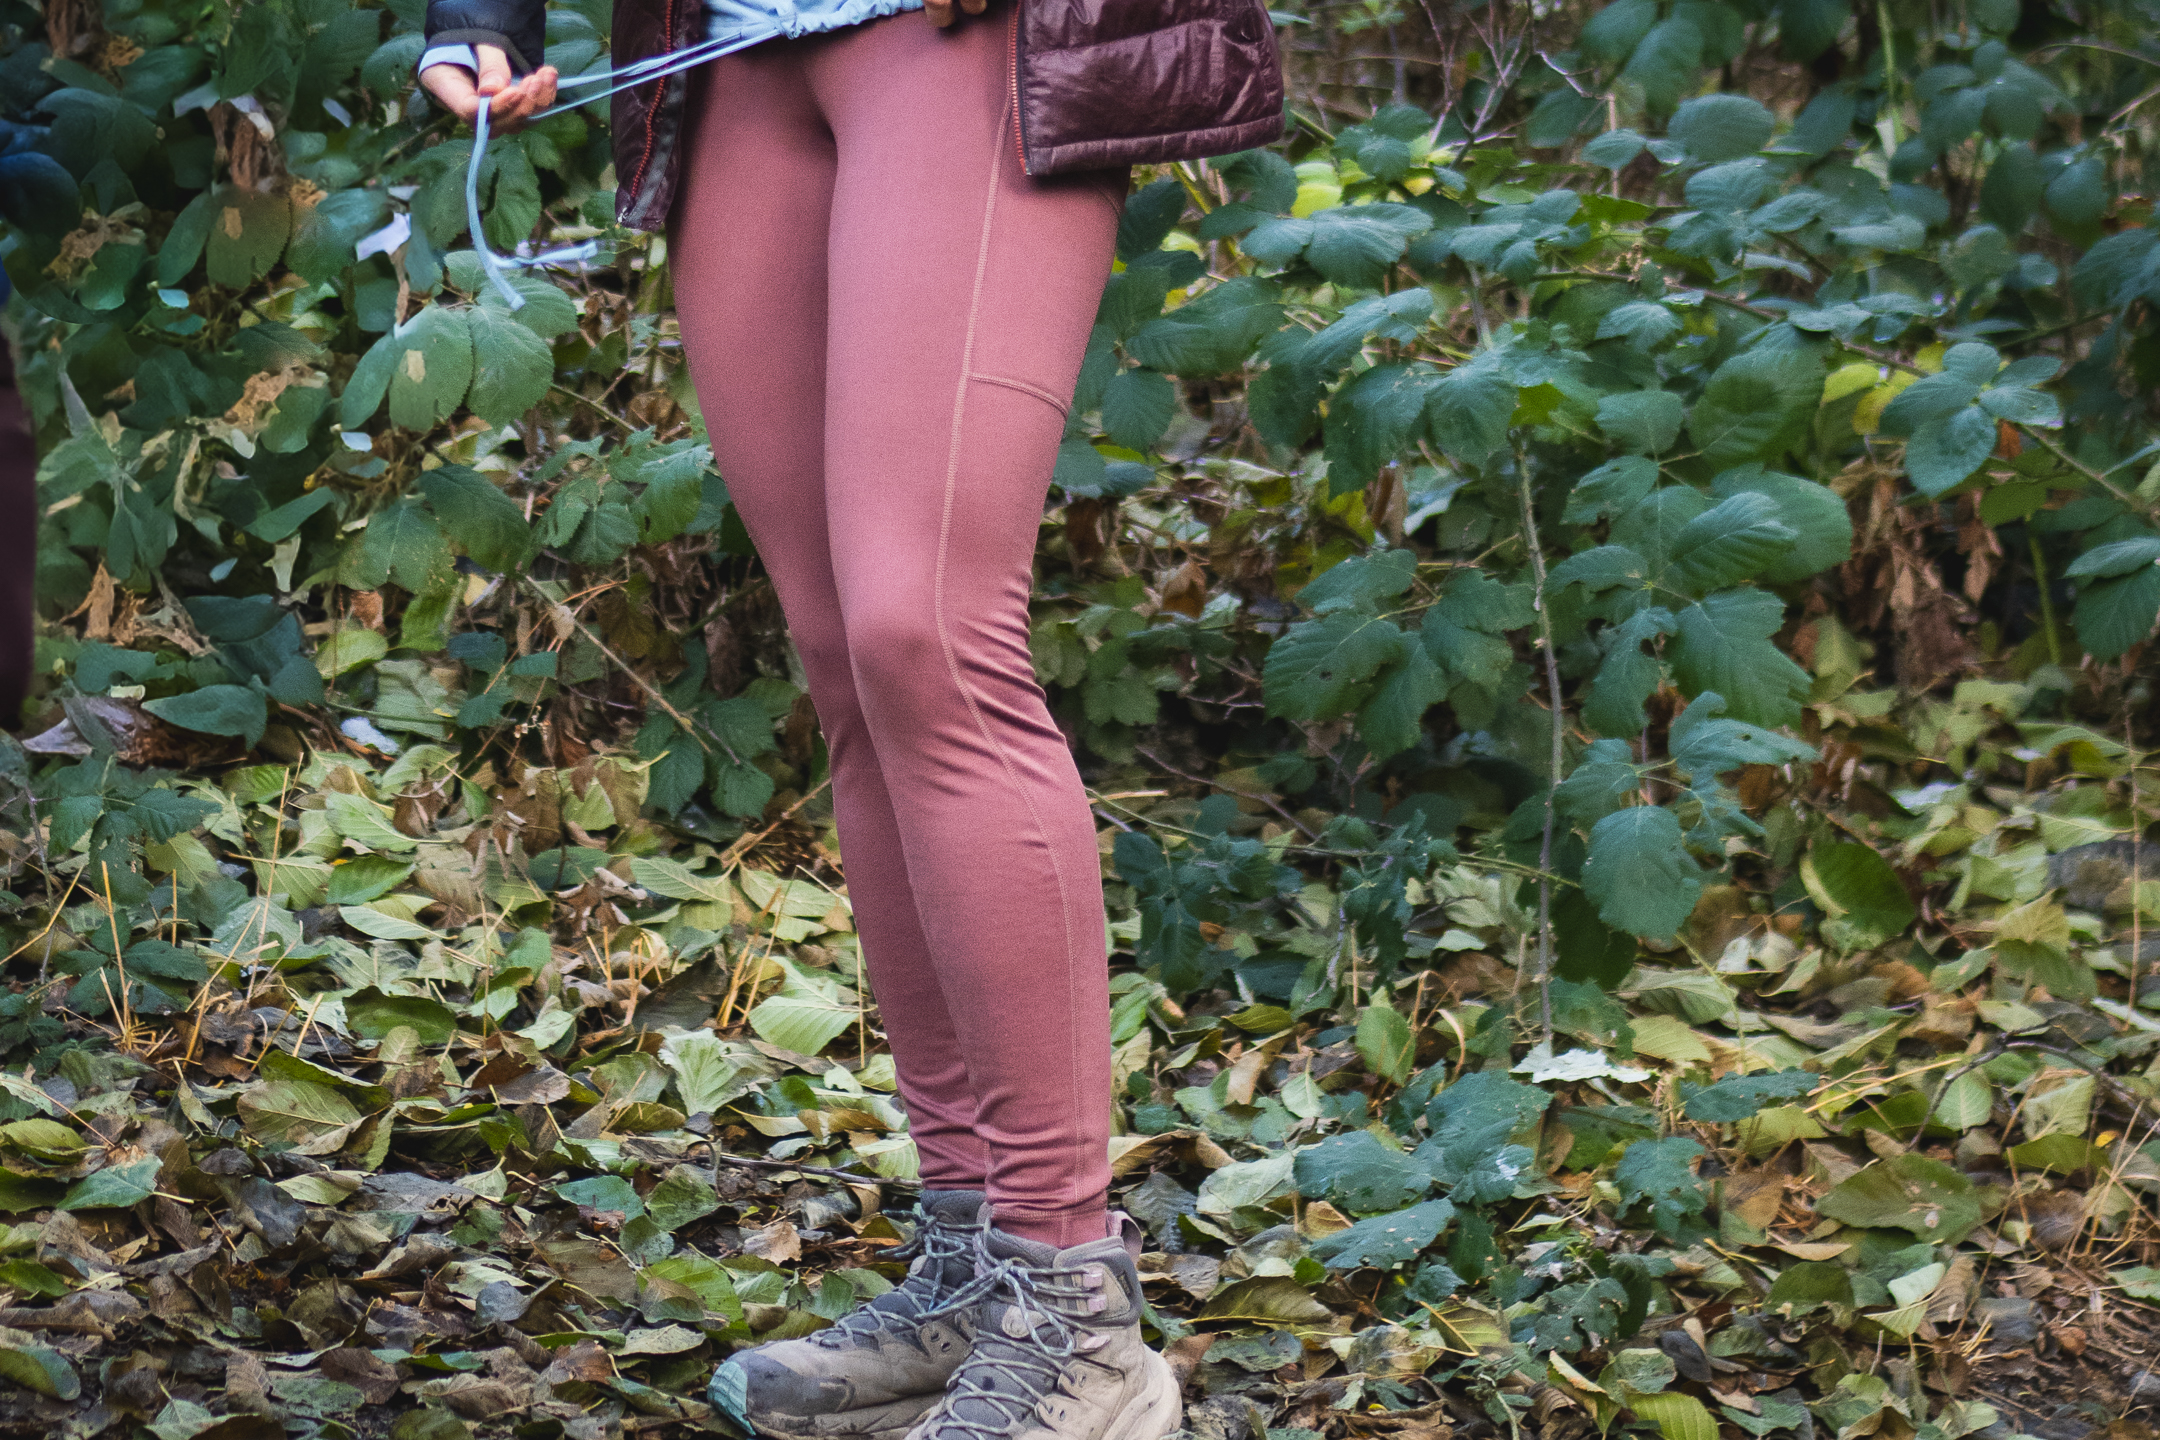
(1385, 1041)
(1473, 1122)
(1704, 745)
(2113, 615)
(1469, 409)
(116, 1187)
(1724, 646)
(31, 1278)
(431, 365)
(1350, 245)
(1807, 28)
(1213, 335)
(1614, 488)
(1359, 1174)
(1639, 872)
(512, 366)
(1318, 669)
(214, 710)
(1644, 324)
(184, 242)
(1821, 526)
(324, 241)
(1756, 405)
(1393, 719)
(1137, 406)
(2139, 1282)
(707, 1076)
(1612, 34)
(1733, 540)
(1722, 127)
(247, 232)
(1385, 1241)
(44, 1371)
(372, 1014)
(1807, 1286)
(683, 1196)
(1665, 61)
(1643, 421)
(1629, 676)
(2122, 557)
(805, 1016)
(1677, 1416)
(1362, 581)
(706, 1277)
(1945, 452)
(1269, 1299)
(488, 524)
(1660, 1174)
(1589, 952)
(370, 382)
(603, 1192)
(1967, 1101)
(1910, 1192)
(1740, 1097)
(295, 1113)
(1855, 885)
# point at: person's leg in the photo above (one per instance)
(961, 297)
(747, 247)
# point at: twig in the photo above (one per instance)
(747, 843)
(1559, 721)
(754, 1163)
(1268, 800)
(689, 727)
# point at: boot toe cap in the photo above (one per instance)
(760, 1384)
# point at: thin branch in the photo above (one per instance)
(1559, 722)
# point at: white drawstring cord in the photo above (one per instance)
(657, 68)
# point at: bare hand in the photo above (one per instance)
(941, 11)
(512, 103)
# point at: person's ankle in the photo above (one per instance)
(1063, 1230)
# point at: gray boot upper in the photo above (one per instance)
(876, 1372)
(1058, 1353)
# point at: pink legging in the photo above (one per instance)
(885, 318)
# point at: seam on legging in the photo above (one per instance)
(1024, 387)
(937, 611)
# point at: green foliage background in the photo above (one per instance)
(1613, 486)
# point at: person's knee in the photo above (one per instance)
(894, 649)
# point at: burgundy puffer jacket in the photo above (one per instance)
(1098, 82)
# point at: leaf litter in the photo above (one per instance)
(359, 1169)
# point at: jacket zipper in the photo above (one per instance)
(1019, 130)
(652, 113)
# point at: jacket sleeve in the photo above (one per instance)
(518, 26)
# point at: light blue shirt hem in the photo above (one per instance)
(732, 20)
(729, 21)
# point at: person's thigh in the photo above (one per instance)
(961, 297)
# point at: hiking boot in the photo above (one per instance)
(877, 1372)
(1058, 1354)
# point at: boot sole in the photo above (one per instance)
(1158, 1410)
(883, 1422)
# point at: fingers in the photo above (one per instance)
(510, 102)
(974, 7)
(523, 100)
(452, 87)
(940, 12)
(494, 73)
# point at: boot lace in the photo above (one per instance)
(913, 1300)
(1006, 1377)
